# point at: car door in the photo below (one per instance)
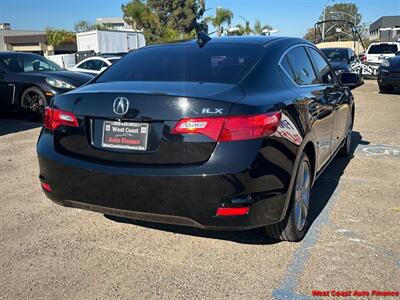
(313, 95)
(336, 95)
(6, 88)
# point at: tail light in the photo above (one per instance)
(364, 58)
(56, 117)
(234, 128)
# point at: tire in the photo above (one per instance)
(34, 101)
(345, 150)
(293, 229)
(385, 89)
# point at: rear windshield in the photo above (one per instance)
(336, 54)
(383, 48)
(223, 63)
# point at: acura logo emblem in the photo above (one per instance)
(121, 105)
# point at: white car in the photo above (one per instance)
(378, 52)
(94, 65)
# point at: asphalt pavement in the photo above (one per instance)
(51, 252)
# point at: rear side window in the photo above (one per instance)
(285, 65)
(325, 72)
(93, 64)
(302, 70)
(222, 63)
(383, 49)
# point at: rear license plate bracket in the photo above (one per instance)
(125, 135)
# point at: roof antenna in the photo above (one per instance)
(202, 38)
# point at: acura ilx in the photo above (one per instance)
(224, 133)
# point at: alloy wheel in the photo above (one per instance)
(302, 195)
(34, 102)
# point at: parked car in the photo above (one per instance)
(389, 74)
(344, 60)
(229, 133)
(30, 80)
(378, 52)
(94, 65)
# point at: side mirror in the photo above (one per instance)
(102, 69)
(349, 79)
(397, 53)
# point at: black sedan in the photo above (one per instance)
(229, 134)
(30, 80)
(389, 74)
(343, 60)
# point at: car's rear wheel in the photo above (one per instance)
(346, 148)
(294, 226)
(34, 100)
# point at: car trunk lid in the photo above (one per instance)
(154, 109)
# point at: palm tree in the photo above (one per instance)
(258, 27)
(222, 16)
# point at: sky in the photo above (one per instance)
(290, 17)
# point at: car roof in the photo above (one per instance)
(251, 40)
(335, 48)
(383, 43)
(4, 53)
(99, 58)
(242, 40)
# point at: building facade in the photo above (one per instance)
(113, 23)
(33, 41)
(385, 29)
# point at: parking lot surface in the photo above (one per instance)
(48, 251)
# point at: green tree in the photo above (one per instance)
(140, 16)
(341, 31)
(258, 27)
(56, 37)
(310, 34)
(164, 20)
(83, 26)
(222, 16)
(180, 15)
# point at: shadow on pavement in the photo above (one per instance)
(326, 184)
(321, 193)
(16, 121)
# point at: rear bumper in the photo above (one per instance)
(388, 81)
(185, 198)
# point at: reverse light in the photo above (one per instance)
(232, 211)
(210, 127)
(54, 118)
(233, 128)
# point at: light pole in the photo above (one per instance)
(324, 18)
(247, 25)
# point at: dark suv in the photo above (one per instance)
(389, 74)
